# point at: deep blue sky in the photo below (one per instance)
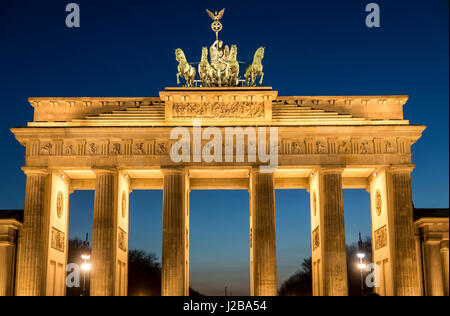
(125, 48)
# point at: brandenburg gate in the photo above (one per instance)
(323, 144)
(116, 145)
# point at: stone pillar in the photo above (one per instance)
(263, 240)
(8, 244)
(433, 268)
(328, 233)
(110, 234)
(43, 241)
(175, 251)
(445, 264)
(30, 267)
(403, 251)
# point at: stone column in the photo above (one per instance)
(8, 242)
(405, 274)
(328, 233)
(434, 268)
(30, 267)
(175, 250)
(334, 260)
(263, 243)
(110, 234)
(445, 265)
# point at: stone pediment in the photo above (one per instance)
(220, 106)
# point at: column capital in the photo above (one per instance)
(331, 169)
(101, 170)
(36, 171)
(180, 170)
(402, 168)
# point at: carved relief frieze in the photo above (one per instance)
(216, 110)
(158, 147)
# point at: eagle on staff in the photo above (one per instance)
(216, 16)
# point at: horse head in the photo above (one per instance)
(179, 55)
(259, 54)
(204, 54)
(233, 53)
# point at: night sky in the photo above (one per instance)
(126, 48)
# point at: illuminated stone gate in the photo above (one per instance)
(116, 145)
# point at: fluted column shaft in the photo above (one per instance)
(434, 268)
(30, 269)
(263, 233)
(406, 280)
(445, 265)
(175, 235)
(103, 236)
(333, 230)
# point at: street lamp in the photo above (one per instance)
(86, 267)
(361, 265)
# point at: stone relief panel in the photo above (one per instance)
(390, 146)
(316, 238)
(161, 148)
(58, 240)
(298, 147)
(59, 204)
(366, 147)
(216, 110)
(122, 240)
(46, 148)
(140, 148)
(378, 202)
(124, 204)
(380, 236)
(321, 146)
(314, 204)
(344, 147)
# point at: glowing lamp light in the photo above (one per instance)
(361, 266)
(86, 266)
(360, 255)
(85, 257)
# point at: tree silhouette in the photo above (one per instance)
(300, 283)
(144, 274)
(144, 271)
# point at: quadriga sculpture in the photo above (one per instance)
(185, 70)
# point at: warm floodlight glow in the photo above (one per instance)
(361, 255)
(85, 257)
(86, 266)
(361, 266)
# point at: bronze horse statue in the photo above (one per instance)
(185, 70)
(255, 69)
(205, 70)
(233, 67)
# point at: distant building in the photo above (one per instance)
(432, 249)
(10, 225)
